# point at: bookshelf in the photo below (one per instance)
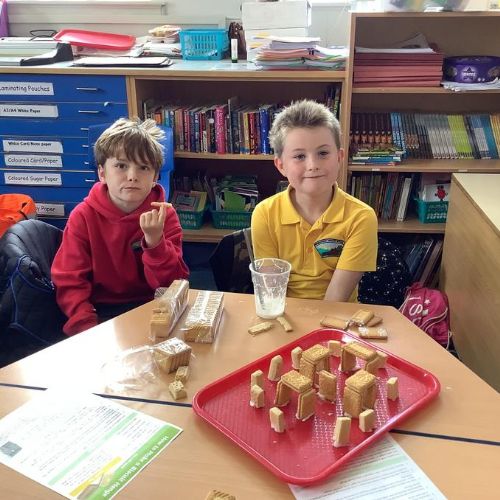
(201, 83)
(455, 33)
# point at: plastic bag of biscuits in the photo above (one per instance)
(203, 319)
(171, 303)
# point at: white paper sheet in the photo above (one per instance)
(382, 471)
(81, 446)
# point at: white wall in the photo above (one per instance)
(331, 23)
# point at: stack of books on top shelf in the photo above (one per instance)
(412, 63)
(296, 52)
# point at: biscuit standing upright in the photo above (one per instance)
(275, 368)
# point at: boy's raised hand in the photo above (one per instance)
(152, 223)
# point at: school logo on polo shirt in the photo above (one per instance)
(329, 247)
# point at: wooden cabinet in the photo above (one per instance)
(200, 83)
(455, 33)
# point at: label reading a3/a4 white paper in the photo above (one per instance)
(28, 145)
(54, 161)
(50, 209)
(35, 179)
(26, 88)
(29, 110)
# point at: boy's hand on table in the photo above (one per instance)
(152, 223)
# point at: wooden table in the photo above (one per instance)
(454, 437)
(470, 271)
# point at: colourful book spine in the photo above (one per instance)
(220, 129)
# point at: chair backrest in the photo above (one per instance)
(230, 263)
(168, 152)
(30, 318)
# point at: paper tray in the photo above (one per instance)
(304, 453)
(95, 39)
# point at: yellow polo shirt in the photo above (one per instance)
(344, 237)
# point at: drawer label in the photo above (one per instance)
(34, 146)
(36, 179)
(50, 209)
(12, 160)
(26, 88)
(29, 110)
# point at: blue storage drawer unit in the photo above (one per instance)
(44, 132)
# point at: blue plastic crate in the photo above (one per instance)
(204, 44)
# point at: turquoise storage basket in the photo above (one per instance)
(204, 44)
(227, 219)
(431, 211)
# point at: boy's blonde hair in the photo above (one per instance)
(302, 114)
(138, 141)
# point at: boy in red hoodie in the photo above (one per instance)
(123, 240)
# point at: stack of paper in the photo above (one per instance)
(299, 53)
(412, 63)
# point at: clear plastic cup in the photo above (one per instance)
(270, 281)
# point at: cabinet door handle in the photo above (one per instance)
(85, 145)
(88, 89)
(88, 111)
(84, 129)
(90, 180)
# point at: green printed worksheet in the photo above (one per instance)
(81, 445)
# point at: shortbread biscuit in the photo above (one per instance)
(284, 323)
(376, 320)
(327, 385)
(260, 328)
(367, 420)
(306, 404)
(392, 388)
(257, 378)
(296, 354)
(182, 373)
(334, 322)
(219, 495)
(341, 433)
(296, 381)
(372, 332)
(382, 356)
(256, 396)
(277, 419)
(334, 347)
(275, 367)
(361, 317)
(177, 390)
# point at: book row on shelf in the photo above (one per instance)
(387, 138)
(225, 127)
(391, 194)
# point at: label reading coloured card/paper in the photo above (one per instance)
(12, 160)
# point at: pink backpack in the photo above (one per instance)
(429, 310)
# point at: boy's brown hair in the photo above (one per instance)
(302, 114)
(138, 141)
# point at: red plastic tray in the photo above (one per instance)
(96, 39)
(304, 453)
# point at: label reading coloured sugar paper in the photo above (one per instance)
(28, 145)
(26, 88)
(37, 179)
(50, 209)
(33, 161)
(29, 110)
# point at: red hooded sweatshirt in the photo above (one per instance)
(103, 257)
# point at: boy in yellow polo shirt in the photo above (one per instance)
(328, 236)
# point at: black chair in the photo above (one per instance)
(230, 263)
(29, 316)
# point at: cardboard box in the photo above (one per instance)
(270, 15)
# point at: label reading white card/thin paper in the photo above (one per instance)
(51, 161)
(28, 145)
(29, 110)
(36, 179)
(50, 209)
(26, 88)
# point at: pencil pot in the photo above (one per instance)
(227, 219)
(431, 211)
(204, 44)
